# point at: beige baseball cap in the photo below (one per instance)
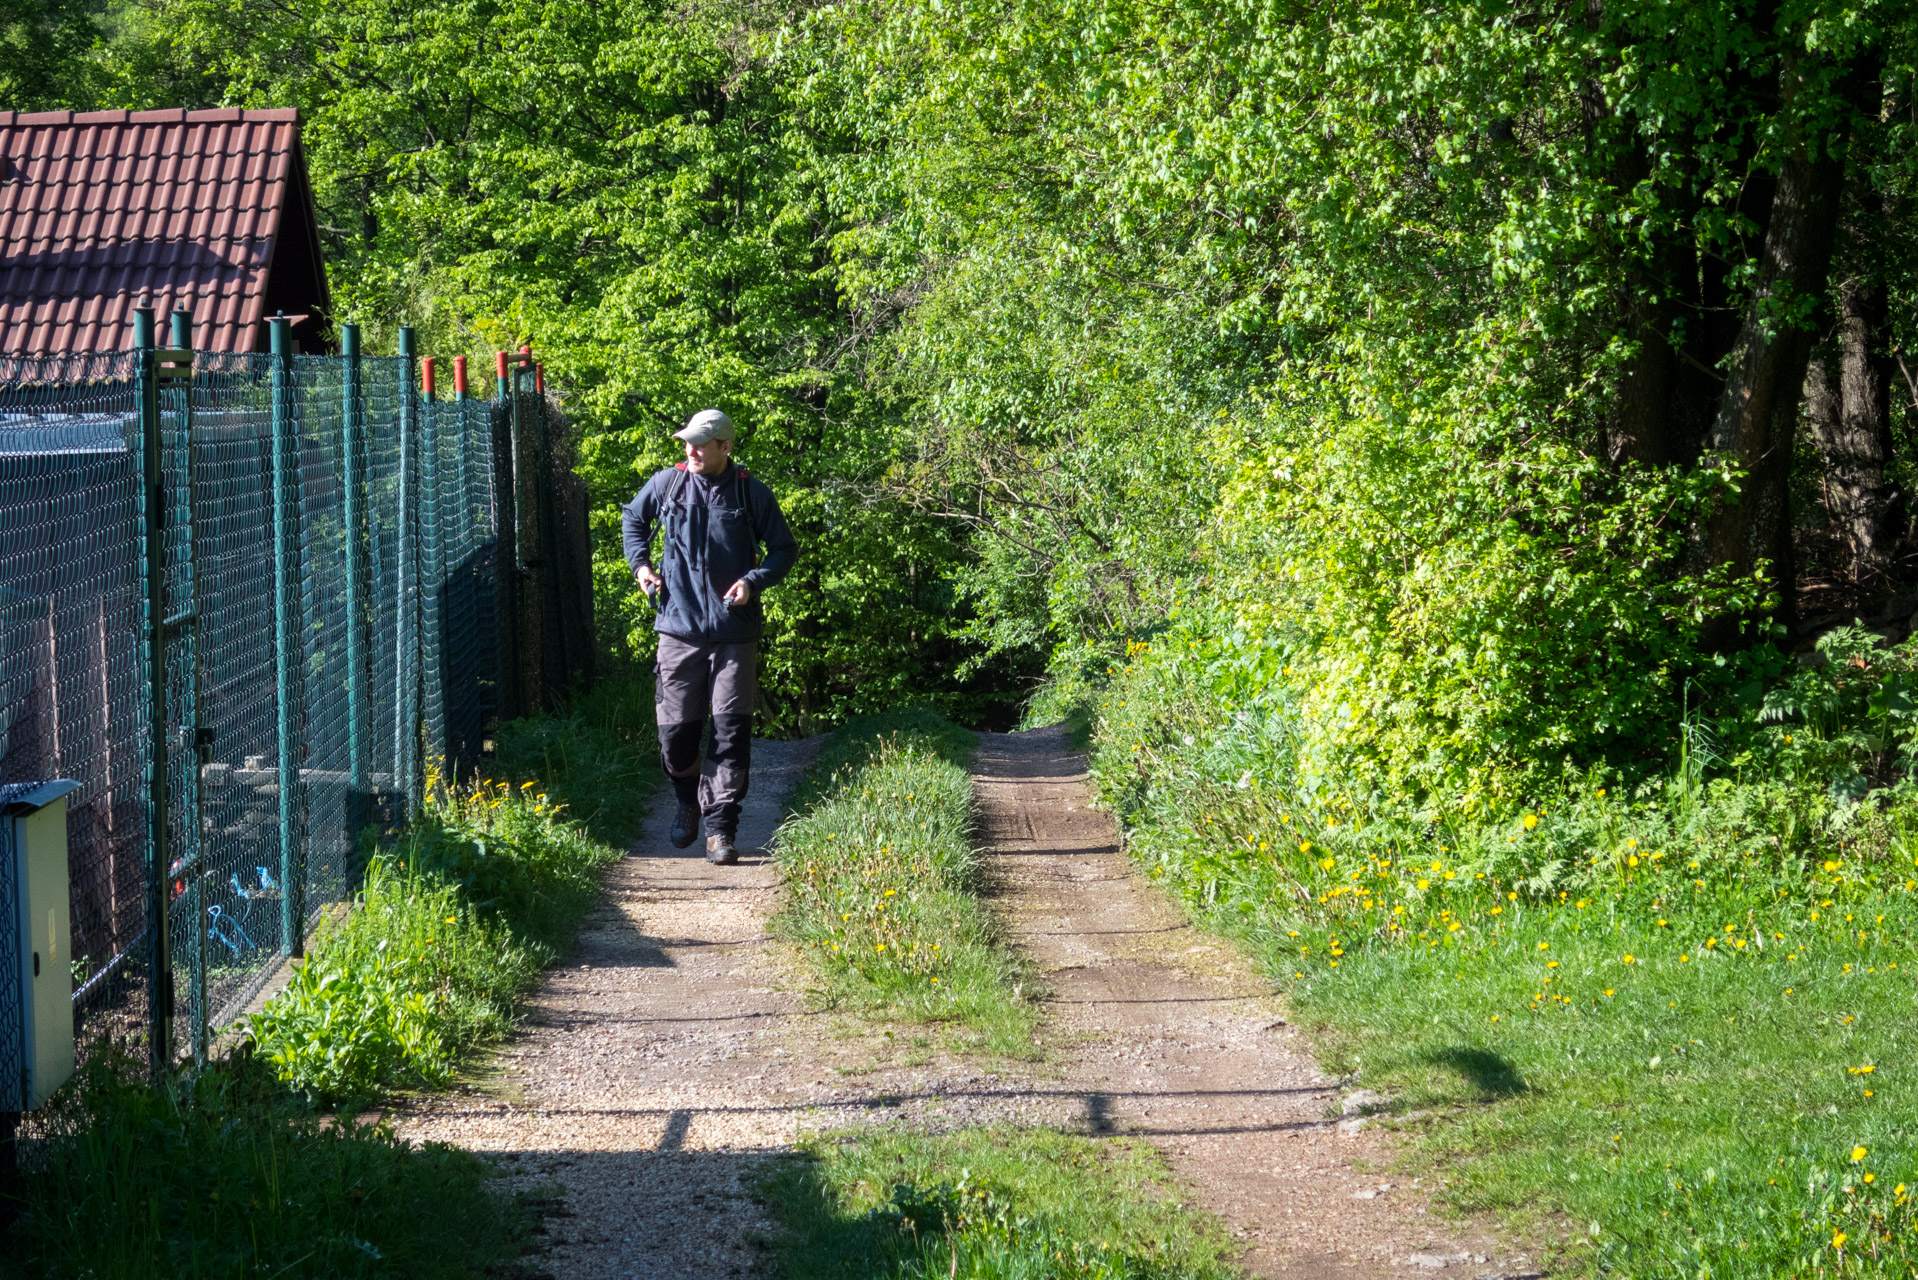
(704, 426)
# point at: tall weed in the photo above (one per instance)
(460, 913)
(453, 926)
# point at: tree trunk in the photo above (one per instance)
(1758, 411)
(1848, 393)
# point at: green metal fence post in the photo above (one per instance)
(353, 503)
(406, 725)
(153, 621)
(183, 627)
(286, 638)
(432, 578)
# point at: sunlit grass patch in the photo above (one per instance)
(880, 883)
(987, 1204)
(458, 915)
(1656, 1026)
(453, 926)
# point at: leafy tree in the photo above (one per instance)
(45, 48)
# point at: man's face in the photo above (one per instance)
(708, 459)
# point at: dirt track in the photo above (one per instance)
(667, 1059)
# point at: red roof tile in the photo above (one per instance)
(102, 210)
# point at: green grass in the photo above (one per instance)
(599, 758)
(229, 1176)
(987, 1204)
(881, 879)
(1669, 1033)
(1691, 1109)
(458, 915)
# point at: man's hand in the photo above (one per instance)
(649, 582)
(739, 593)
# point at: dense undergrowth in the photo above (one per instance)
(987, 1204)
(248, 1169)
(1669, 1016)
(881, 877)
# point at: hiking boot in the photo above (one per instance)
(685, 825)
(720, 851)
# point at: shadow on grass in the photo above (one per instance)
(985, 1204)
(1491, 1075)
(226, 1175)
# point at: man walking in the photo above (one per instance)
(706, 601)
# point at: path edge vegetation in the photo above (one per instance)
(259, 1161)
(880, 878)
(1650, 1026)
(996, 1202)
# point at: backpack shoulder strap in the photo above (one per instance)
(666, 509)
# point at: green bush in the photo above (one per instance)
(881, 878)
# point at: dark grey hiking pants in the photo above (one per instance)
(694, 683)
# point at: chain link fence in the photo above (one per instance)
(330, 641)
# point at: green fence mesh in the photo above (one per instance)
(72, 680)
(378, 663)
(227, 930)
(459, 595)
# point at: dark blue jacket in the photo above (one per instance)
(713, 535)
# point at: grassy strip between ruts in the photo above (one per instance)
(987, 1204)
(240, 1172)
(880, 880)
(1672, 1026)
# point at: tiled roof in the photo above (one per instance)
(102, 210)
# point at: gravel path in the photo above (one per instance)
(674, 1053)
(1170, 1035)
(639, 1080)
